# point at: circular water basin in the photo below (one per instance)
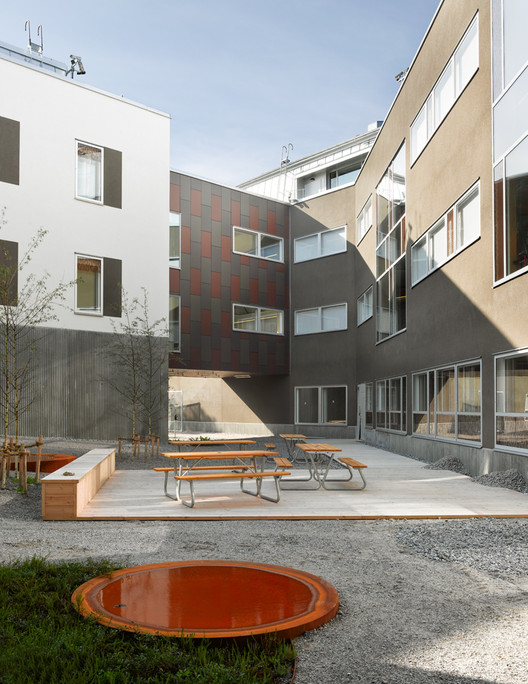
(213, 599)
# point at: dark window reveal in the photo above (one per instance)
(112, 287)
(9, 151)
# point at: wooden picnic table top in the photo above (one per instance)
(205, 442)
(293, 436)
(318, 447)
(214, 455)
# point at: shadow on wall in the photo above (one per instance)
(267, 397)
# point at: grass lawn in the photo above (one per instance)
(44, 639)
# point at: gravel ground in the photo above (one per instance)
(436, 602)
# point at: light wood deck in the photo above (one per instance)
(398, 487)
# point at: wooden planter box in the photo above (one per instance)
(69, 489)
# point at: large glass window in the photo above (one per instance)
(510, 136)
(454, 78)
(391, 404)
(88, 285)
(344, 175)
(320, 244)
(174, 240)
(458, 228)
(89, 172)
(255, 244)
(390, 251)
(512, 401)
(174, 322)
(446, 403)
(321, 405)
(511, 212)
(257, 319)
(321, 319)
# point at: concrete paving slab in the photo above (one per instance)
(397, 487)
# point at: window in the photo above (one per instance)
(454, 78)
(321, 319)
(257, 319)
(458, 228)
(174, 323)
(331, 176)
(320, 244)
(345, 174)
(98, 288)
(321, 405)
(255, 244)
(446, 403)
(174, 239)
(511, 412)
(99, 174)
(510, 136)
(391, 402)
(364, 220)
(9, 151)
(364, 306)
(89, 280)
(390, 250)
(89, 172)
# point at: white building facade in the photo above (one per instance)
(90, 168)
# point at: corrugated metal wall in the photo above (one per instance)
(72, 389)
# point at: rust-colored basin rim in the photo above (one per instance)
(209, 599)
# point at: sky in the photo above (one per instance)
(239, 78)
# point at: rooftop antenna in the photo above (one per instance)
(76, 66)
(285, 154)
(34, 47)
(401, 76)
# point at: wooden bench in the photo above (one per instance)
(191, 478)
(281, 462)
(352, 465)
(270, 446)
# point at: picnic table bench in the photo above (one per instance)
(318, 472)
(188, 467)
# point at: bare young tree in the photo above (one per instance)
(141, 359)
(27, 303)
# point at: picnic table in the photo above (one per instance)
(210, 442)
(291, 444)
(245, 465)
(318, 470)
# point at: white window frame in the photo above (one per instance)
(432, 427)
(89, 312)
(429, 108)
(500, 411)
(259, 237)
(258, 310)
(318, 236)
(363, 303)
(388, 407)
(442, 225)
(175, 262)
(320, 312)
(81, 197)
(364, 220)
(319, 389)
